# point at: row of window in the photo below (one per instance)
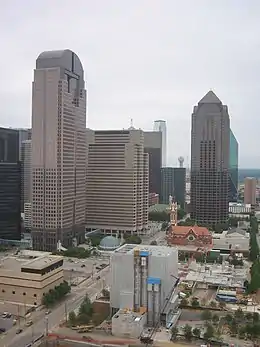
(13, 292)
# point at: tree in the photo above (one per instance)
(239, 314)
(195, 302)
(215, 318)
(174, 333)
(133, 239)
(228, 318)
(72, 318)
(209, 333)
(164, 225)
(213, 304)
(180, 213)
(233, 327)
(206, 315)
(249, 316)
(187, 332)
(153, 243)
(184, 302)
(159, 216)
(196, 332)
(255, 317)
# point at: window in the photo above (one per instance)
(3, 291)
(24, 293)
(35, 295)
(13, 292)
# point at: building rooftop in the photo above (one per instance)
(210, 98)
(183, 230)
(162, 251)
(15, 263)
(109, 242)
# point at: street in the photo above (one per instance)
(44, 324)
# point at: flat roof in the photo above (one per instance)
(15, 263)
(42, 262)
(154, 250)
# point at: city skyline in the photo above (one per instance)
(133, 73)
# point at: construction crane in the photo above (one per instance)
(148, 339)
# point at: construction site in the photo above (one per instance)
(142, 292)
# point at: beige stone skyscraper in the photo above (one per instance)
(58, 150)
(117, 181)
(250, 190)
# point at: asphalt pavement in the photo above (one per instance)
(44, 324)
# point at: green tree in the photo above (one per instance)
(180, 213)
(239, 314)
(164, 225)
(153, 243)
(209, 333)
(249, 316)
(255, 317)
(184, 302)
(206, 315)
(215, 318)
(72, 318)
(213, 304)
(133, 239)
(105, 293)
(187, 332)
(195, 302)
(196, 332)
(159, 216)
(228, 318)
(174, 333)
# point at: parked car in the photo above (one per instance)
(18, 331)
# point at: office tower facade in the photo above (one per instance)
(233, 168)
(153, 147)
(173, 182)
(116, 181)
(26, 168)
(160, 125)
(58, 150)
(210, 140)
(10, 185)
(250, 190)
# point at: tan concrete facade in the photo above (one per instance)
(26, 283)
(117, 181)
(250, 190)
(58, 150)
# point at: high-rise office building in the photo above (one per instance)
(233, 168)
(58, 150)
(153, 147)
(160, 125)
(10, 185)
(116, 181)
(250, 190)
(173, 182)
(210, 141)
(26, 168)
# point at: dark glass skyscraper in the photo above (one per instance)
(153, 147)
(10, 185)
(173, 182)
(233, 167)
(210, 142)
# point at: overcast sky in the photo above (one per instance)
(143, 59)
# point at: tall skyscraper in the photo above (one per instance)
(160, 125)
(58, 150)
(153, 147)
(117, 181)
(173, 182)
(210, 140)
(26, 158)
(233, 167)
(10, 185)
(250, 190)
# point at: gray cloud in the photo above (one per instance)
(144, 59)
